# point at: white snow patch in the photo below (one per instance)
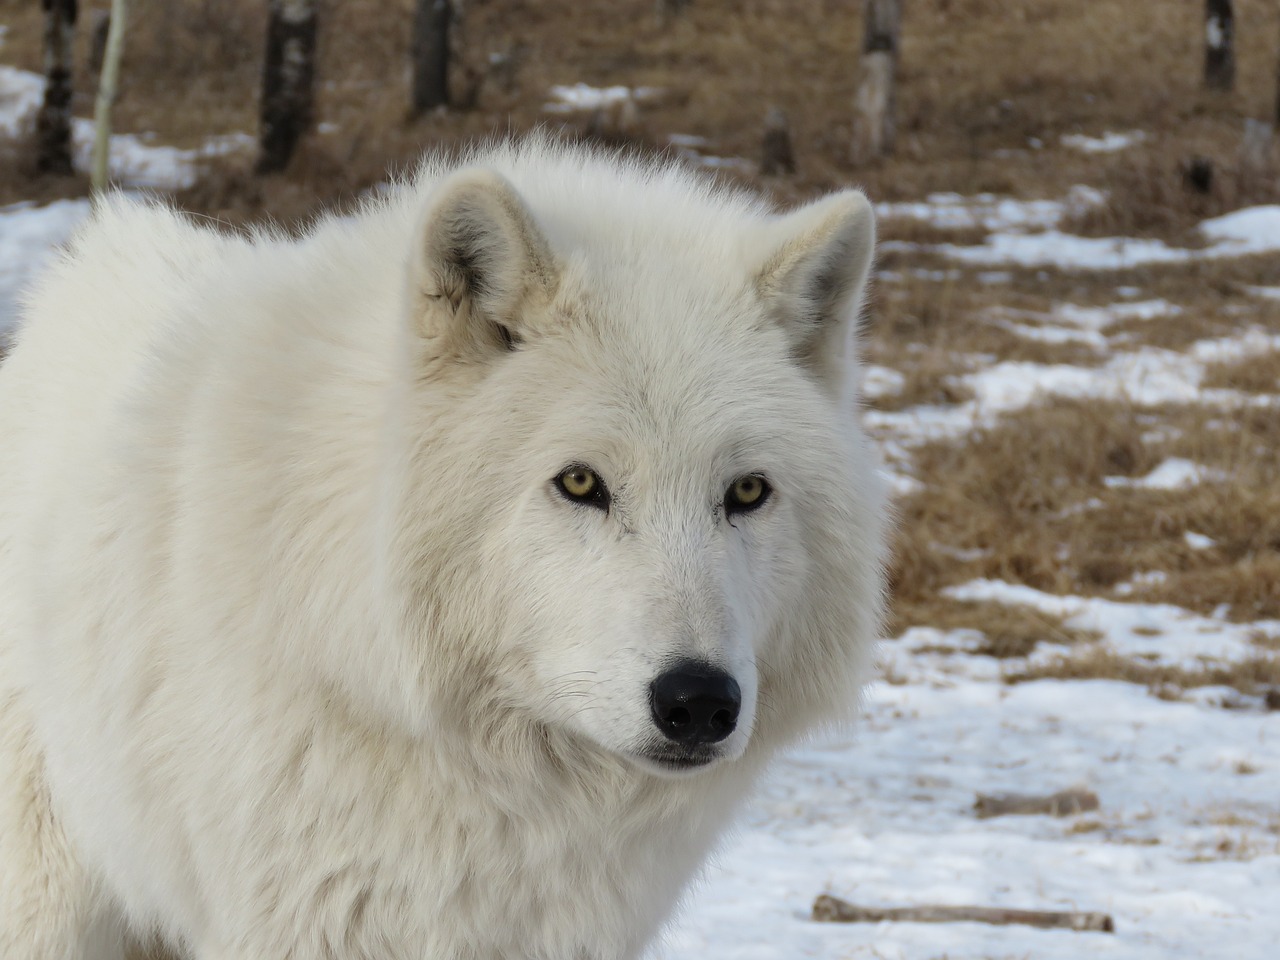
(133, 162)
(21, 92)
(582, 96)
(29, 237)
(1252, 230)
(879, 381)
(1173, 474)
(1159, 633)
(1109, 142)
(953, 211)
(1198, 541)
(1148, 376)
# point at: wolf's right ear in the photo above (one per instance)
(814, 278)
(480, 263)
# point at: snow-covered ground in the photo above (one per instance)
(1184, 851)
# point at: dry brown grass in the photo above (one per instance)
(978, 77)
(1025, 501)
(1253, 675)
(1256, 374)
(1008, 631)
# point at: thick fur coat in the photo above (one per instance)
(309, 649)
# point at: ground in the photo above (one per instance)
(1073, 373)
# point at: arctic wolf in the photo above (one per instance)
(431, 587)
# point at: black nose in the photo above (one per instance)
(694, 703)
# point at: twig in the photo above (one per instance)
(1064, 803)
(834, 910)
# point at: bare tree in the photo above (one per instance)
(53, 122)
(875, 103)
(107, 95)
(776, 156)
(288, 80)
(430, 53)
(1219, 45)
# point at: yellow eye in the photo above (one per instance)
(747, 493)
(581, 484)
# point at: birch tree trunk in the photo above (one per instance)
(875, 102)
(1219, 45)
(107, 97)
(288, 80)
(430, 52)
(53, 122)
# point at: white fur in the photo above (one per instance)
(301, 653)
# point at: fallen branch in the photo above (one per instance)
(1064, 803)
(831, 909)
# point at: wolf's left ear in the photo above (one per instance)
(481, 261)
(814, 277)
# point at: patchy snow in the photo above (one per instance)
(20, 95)
(29, 236)
(952, 211)
(581, 96)
(1109, 142)
(1173, 474)
(1247, 231)
(1198, 541)
(1146, 376)
(878, 381)
(133, 161)
(1158, 633)
(1250, 231)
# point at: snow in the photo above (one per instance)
(1026, 233)
(581, 96)
(1172, 474)
(1109, 142)
(133, 161)
(1145, 376)
(884, 817)
(952, 211)
(29, 236)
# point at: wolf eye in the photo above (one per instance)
(746, 494)
(581, 484)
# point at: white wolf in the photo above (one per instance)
(431, 587)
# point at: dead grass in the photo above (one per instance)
(987, 89)
(1008, 630)
(1257, 374)
(1025, 501)
(1252, 676)
(1151, 188)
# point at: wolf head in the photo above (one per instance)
(634, 509)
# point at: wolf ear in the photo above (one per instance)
(814, 278)
(481, 262)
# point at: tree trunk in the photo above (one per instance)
(53, 122)
(1219, 45)
(875, 103)
(288, 80)
(430, 51)
(1277, 115)
(107, 84)
(776, 156)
